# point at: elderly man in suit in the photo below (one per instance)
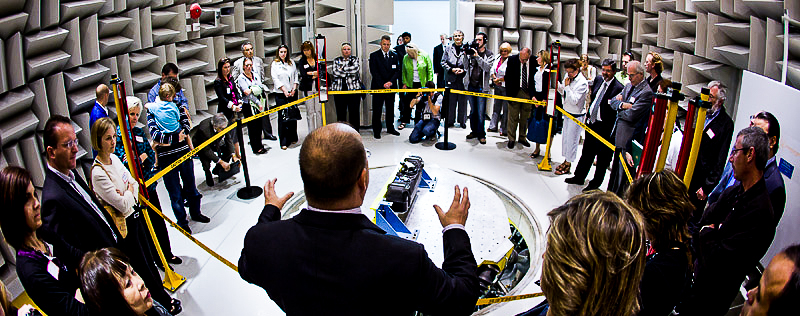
(520, 83)
(633, 105)
(71, 209)
(384, 66)
(332, 253)
(601, 118)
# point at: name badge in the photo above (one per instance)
(307, 66)
(394, 66)
(426, 116)
(631, 100)
(53, 269)
(710, 133)
(228, 90)
(139, 139)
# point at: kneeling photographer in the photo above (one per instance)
(430, 103)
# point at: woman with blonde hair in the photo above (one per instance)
(498, 73)
(539, 113)
(589, 72)
(662, 199)
(417, 70)
(118, 191)
(595, 255)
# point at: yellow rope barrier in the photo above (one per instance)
(487, 301)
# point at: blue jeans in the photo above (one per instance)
(476, 121)
(424, 128)
(172, 181)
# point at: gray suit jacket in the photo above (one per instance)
(642, 98)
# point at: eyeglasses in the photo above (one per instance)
(70, 144)
(734, 150)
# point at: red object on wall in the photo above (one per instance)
(195, 10)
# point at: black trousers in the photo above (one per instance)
(348, 104)
(405, 103)
(223, 153)
(618, 183)
(379, 101)
(592, 147)
(137, 247)
(287, 130)
(254, 129)
(159, 227)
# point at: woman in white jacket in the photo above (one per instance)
(285, 78)
(118, 191)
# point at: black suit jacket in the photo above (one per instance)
(67, 214)
(203, 132)
(53, 296)
(384, 71)
(342, 264)
(608, 115)
(514, 76)
(712, 154)
(225, 94)
(438, 52)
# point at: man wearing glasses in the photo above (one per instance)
(735, 232)
(633, 105)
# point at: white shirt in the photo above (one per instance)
(538, 80)
(605, 86)
(499, 70)
(574, 94)
(284, 75)
(105, 186)
(416, 72)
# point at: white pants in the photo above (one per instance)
(313, 112)
(570, 136)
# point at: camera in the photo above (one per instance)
(470, 48)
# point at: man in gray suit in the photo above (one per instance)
(633, 105)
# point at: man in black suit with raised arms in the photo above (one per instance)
(330, 259)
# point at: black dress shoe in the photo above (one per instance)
(186, 228)
(511, 144)
(471, 136)
(201, 218)
(393, 132)
(174, 260)
(524, 142)
(210, 182)
(378, 135)
(493, 130)
(271, 137)
(574, 180)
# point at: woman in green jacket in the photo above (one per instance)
(417, 70)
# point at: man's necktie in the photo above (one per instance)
(596, 104)
(525, 76)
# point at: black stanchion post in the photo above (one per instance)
(445, 145)
(249, 191)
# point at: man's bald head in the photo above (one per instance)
(102, 93)
(332, 159)
(524, 54)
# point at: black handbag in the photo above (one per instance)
(291, 113)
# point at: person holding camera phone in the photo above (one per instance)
(479, 67)
(430, 103)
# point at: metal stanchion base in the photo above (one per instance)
(445, 145)
(248, 193)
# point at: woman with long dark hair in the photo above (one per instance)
(112, 287)
(307, 68)
(227, 93)
(285, 79)
(46, 265)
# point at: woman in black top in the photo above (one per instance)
(47, 270)
(307, 67)
(227, 94)
(662, 199)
